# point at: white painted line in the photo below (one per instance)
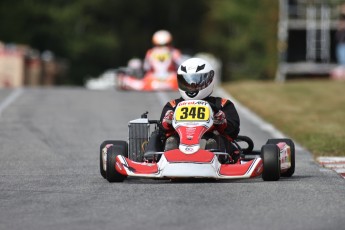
(10, 99)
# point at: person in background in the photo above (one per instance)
(162, 56)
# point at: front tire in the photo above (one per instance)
(271, 162)
(101, 160)
(118, 148)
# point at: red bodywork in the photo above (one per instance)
(150, 82)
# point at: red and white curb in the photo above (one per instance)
(335, 163)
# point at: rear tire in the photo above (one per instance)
(118, 148)
(271, 162)
(290, 143)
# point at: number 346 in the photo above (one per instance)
(192, 113)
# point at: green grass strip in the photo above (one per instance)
(312, 112)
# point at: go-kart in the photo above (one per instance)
(143, 156)
(161, 75)
(151, 81)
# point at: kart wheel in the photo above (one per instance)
(291, 170)
(118, 148)
(101, 168)
(271, 162)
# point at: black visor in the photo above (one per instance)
(194, 82)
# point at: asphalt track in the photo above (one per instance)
(49, 173)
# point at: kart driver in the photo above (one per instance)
(162, 54)
(196, 81)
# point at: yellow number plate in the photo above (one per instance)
(192, 113)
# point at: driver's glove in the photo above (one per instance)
(219, 120)
(167, 120)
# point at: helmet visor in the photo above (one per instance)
(194, 82)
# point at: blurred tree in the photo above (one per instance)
(97, 35)
(243, 34)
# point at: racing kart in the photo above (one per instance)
(151, 81)
(160, 76)
(143, 156)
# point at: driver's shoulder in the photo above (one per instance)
(219, 101)
(174, 102)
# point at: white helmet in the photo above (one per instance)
(161, 37)
(195, 78)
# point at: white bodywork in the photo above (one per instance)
(192, 170)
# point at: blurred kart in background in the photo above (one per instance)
(151, 81)
(132, 77)
(159, 73)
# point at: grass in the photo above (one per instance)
(311, 112)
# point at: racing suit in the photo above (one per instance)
(226, 132)
(232, 127)
(162, 58)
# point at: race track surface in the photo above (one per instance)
(49, 173)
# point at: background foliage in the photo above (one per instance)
(97, 35)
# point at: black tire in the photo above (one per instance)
(291, 170)
(271, 162)
(118, 148)
(102, 171)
